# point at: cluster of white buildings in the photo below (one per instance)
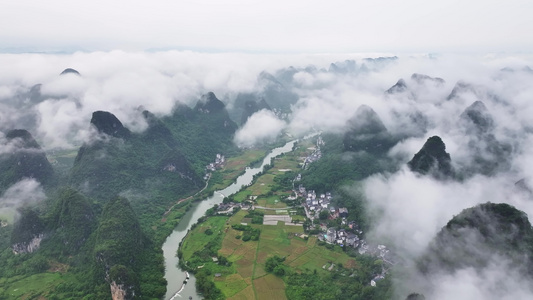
(315, 155)
(217, 164)
(314, 203)
(340, 237)
(380, 251)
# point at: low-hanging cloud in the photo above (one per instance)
(121, 82)
(409, 211)
(413, 208)
(262, 126)
(23, 193)
(495, 282)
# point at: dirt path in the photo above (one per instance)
(185, 199)
(269, 208)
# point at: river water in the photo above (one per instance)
(173, 274)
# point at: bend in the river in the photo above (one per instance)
(173, 274)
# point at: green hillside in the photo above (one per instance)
(25, 160)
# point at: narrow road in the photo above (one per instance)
(268, 208)
(185, 199)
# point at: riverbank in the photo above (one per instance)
(174, 275)
(231, 266)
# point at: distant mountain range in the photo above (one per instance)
(99, 217)
(88, 219)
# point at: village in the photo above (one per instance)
(212, 167)
(349, 235)
(319, 211)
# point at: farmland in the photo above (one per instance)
(237, 266)
(247, 276)
(244, 276)
(38, 286)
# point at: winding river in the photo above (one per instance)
(173, 274)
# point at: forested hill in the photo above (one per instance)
(169, 156)
(203, 131)
(366, 132)
(152, 169)
(25, 160)
(251, 107)
(102, 227)
(118, 161)
(119, 245)
(432, 159)
(481, 236)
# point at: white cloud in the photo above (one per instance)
(260, 127)
(310, 26)
(23, 193)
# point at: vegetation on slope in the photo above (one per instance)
(432, 159)
(26, 160)
(119, 242)
(478, 236)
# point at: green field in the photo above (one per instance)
(262, 185)
(242, 196)
(271, 202)
(247, 276)
(38, 286)
(197, 239)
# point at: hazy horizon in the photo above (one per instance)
(337, 26)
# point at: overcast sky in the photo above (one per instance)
(267, 26)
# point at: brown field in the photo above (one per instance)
(284, 164)
(259, 270)
(270, 287)
(245, 251)
(351, 264)
(299, 251)
(246, 294)
(231, 284)
(262, 256)
(245, 267)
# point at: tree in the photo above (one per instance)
(279, 270)
(324, 214)
(273, 262)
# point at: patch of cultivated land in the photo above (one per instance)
(198, 239)
(245, 294)
(247, 278)
(38, 286)
(262, 185)
(269, 287)
(271, 202)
